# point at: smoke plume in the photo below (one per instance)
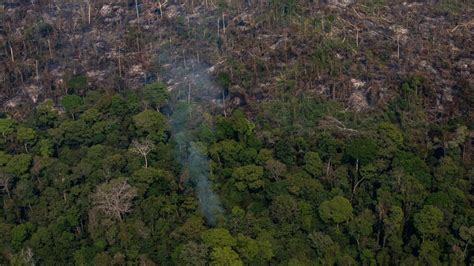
(193, 97)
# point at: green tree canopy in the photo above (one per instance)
(25, 135)
(337, 210)
(363, 150)
(150, 124)
(218, 237)
(313, 164)
(72, 104)
(427, 221)
(6, 126)
(248, 177)
(225, 256)
(18, 164)
(155, 94)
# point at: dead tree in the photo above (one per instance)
(114, 198)
(142, 148)
(332, 122)
(137, 11)
(89, 7)
(27, 256)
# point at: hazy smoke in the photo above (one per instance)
(198, 171)
(194, 95)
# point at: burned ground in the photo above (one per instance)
(357, 53)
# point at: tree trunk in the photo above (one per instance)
(89, 12)
(49, 48)
(138, 14)
(12, 55)
(355, 187)
(8, 191)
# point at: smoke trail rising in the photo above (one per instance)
(187, 114)
(198, 171)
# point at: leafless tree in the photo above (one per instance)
(142, 148)
(138, 13)
(27, 256)
(334, 123)
(114, 198)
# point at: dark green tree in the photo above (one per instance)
(72, 104)
(336, 210)
(427, 221)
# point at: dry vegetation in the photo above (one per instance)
(358, 54)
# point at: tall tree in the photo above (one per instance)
(427, 221)
(25, 135)
(142, 148)
(6, 127)
(337, 210)
(150, 124)
(72, 104)
(114, 198)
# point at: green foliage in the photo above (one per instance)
(361, 225)
(45, 115)
(428, 220)
(77, 83)
(394, 221)
(430, 252)
(284, 209)
(6, 126)
(4, 158)
(72, 103)
(155, 94)
(25, 134)
(453, 7)
(320, 242)
(242, 125)
(150, 124)
(275, 168)
(192, 253)
(223, 79)
(391, 134)
(374, 5)
(248, 177)
(313, 164)
(412, 165)
(227, 151)
(284, 8)
(324, 57)
(20, 233)
(447, 170)
(225, 256)
(337, 210)
(18, 164)
(252, 251)
(362, 150)
(283, 177)
(218, 237)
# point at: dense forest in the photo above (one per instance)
(305, 183)
(237, 147)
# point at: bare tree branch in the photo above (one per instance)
(330, 121)
(114, 198)
(142, 148)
